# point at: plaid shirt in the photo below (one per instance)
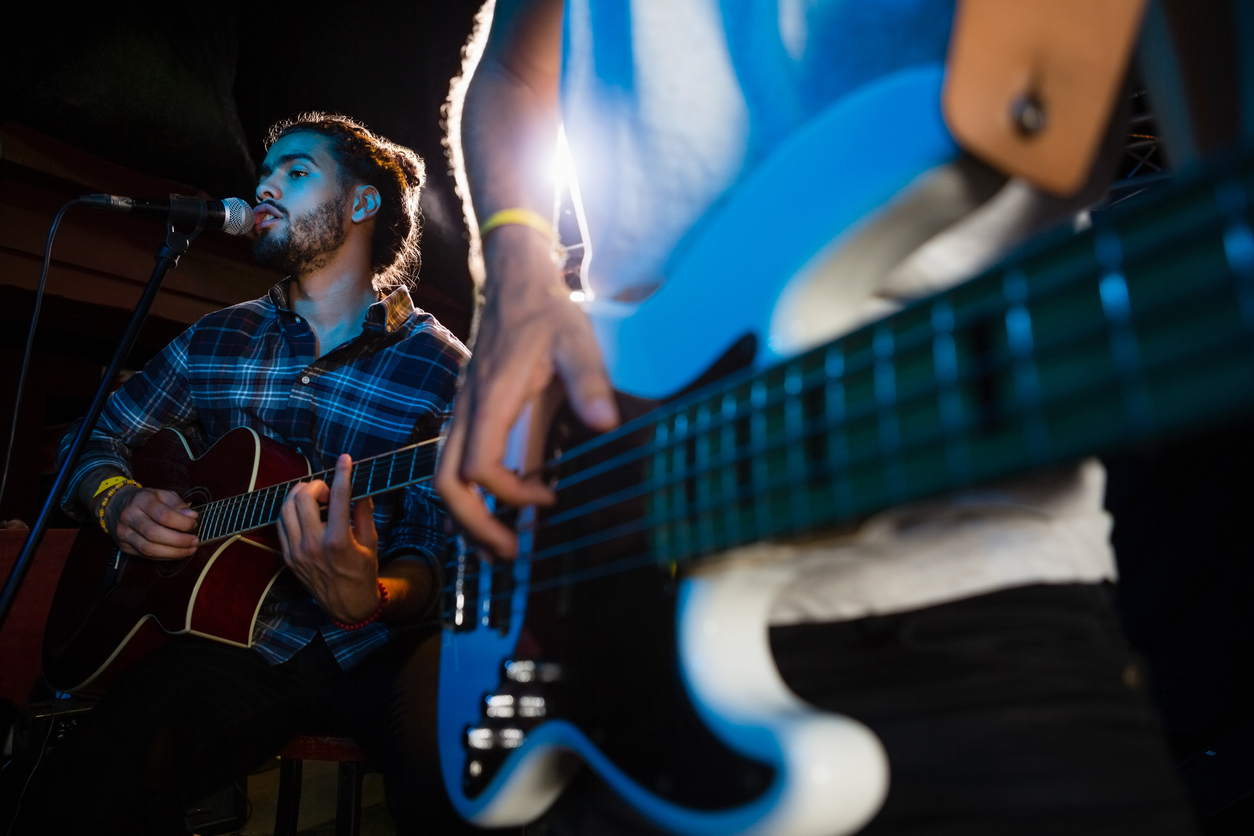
(254, 365)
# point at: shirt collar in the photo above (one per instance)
(386, 315)
(391, 312)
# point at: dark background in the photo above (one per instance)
(186, 91)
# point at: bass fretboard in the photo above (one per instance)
(1139, 327)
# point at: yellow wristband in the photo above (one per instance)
(108, 497)
(522, 217)
(108, 483)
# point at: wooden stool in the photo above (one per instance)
(313, 747)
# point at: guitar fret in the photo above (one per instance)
(705, 519)
(207, 518)
(838, 431)
(241, 516)
(254, 509)
(795, 452)
(761, 499)
(228, 522)
(1116, 304)
(886, 408)
(679, 487)
(945, 369)
(1027, 380)
(240, 513)
(272, 507)
(281, 497)
(730, 481)
(391, 467)
(659, 494)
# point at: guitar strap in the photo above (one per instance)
(1030, 86)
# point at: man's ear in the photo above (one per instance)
(365, 203)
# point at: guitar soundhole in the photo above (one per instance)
(197, 496)
(170, 568)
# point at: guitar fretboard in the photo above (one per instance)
(259, 508)
(1083, 343)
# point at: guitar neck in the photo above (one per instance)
(259, 508)
(1140, 327)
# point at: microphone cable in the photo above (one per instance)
(30, 342)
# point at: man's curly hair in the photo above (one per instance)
(397, 172)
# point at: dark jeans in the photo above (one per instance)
(197, 715)
(1008, 713)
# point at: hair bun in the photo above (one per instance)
(412, 167)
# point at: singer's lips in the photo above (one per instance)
(266, 216)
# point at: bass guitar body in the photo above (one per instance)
(111, 609)
(593, 647)
(630, 637)
(663, 685)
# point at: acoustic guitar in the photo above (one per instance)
(112, 609)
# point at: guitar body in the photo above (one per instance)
(663, 683)
(112, 609)
(664, 686)
(630, 635)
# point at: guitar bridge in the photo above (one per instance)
(521, 702)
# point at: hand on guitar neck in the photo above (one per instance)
(336, 561)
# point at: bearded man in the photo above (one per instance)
(339, 643)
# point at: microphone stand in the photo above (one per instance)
(168, 254)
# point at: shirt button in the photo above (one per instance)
(298, 319)
(305, 379)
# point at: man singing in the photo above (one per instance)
(336, 363)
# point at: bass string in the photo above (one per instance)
(963, 318)
(871, 455)
(687, 511)
(871, 408)
(591, 573)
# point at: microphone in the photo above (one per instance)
(232, 215)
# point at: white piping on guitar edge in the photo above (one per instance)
(260, 599)
(533, 785)
(107, 662)
(195, 596)
(252, 480)
(191, 601)
(835, 769)
(183, 440)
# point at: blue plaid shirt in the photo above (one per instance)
(254, 365)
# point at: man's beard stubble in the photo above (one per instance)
(310, 243)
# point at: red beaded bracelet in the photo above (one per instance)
(374, 616)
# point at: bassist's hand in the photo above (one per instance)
(154, 523)
(529, 331)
